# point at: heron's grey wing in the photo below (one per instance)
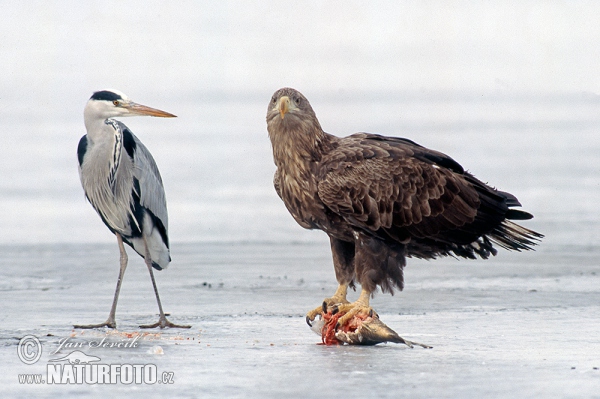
(149, 203)
(151, 190)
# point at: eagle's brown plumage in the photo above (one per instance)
(381, 199)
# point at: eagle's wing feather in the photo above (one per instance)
(395, 188)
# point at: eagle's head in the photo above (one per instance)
(293, 127)
(290, 110)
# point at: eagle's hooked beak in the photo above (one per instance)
(283, 106)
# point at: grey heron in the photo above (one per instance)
(122, 182)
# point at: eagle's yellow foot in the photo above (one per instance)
(338, 299)
(353, 309)
(360, 306)
(332, 302)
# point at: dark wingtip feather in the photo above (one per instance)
(156, 266)
(511, 200)
(514, 214)
(512, 236)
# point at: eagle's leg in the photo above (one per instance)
(338, 299)
(376, 263)
(162, 320)
(360, 306)
(343, 264)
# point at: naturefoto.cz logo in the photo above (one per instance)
(78, 367)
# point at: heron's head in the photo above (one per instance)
(113, 103)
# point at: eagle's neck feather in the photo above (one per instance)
(297, 153)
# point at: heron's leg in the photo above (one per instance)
(110, 322)
(162, 321)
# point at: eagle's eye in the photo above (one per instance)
(297, 100)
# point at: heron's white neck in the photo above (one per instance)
(95, 123)
(95, 115)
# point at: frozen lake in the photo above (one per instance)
(523, 325)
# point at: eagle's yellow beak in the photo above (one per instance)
(283, 106)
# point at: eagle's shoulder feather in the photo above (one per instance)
(394, 186)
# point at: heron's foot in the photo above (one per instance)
(328, 303)
(108, 323)
(164, 323)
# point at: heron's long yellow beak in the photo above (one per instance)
(139, 109)
(284, 106)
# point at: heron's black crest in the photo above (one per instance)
(105, 95)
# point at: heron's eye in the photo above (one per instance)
(115, 102)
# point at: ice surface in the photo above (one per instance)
(508, 327)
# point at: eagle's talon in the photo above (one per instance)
(333, 303)
(308, 321)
